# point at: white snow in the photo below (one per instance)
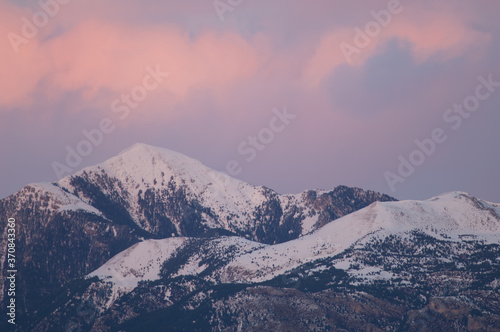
(142, 261)
(454, 214)
(140, 166)
(298, 200)
(61, 200)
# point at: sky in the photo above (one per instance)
(400, 97)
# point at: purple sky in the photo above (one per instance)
(359, 91)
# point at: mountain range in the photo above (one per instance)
(154, 239)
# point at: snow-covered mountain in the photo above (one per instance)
(403, 265)
(451, 217)
(441, 255)
(143, 171)
(168, 194)
(152, 238)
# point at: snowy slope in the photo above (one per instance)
(142, 167)
(143, 260)
(55, 198)
(452, 215)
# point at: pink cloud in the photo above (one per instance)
(19, 73)
(95, 55)
(440, 33)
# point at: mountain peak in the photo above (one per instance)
(136, 146)
(146, 152)
(147, 164)
(148, 149)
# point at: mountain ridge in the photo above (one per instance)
(142, 173)
(346, 231)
